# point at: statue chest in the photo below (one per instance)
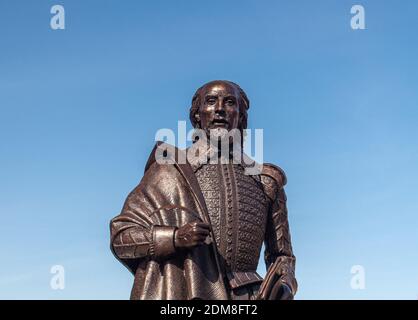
(238, 208)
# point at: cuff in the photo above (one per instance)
(286, 270)
(162, 243)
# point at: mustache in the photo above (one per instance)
(219, 120)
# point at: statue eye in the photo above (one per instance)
(230, 102)
(211, 100)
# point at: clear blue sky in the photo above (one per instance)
(80, 108)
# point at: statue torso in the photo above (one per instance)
(238, 207)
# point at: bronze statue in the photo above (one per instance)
(194, 230)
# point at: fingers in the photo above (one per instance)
(280, 291)
(200, 229)
(200, 236)
(200, 225)
(276, 292)
(193, 234)
(199, 239)
(202, 232)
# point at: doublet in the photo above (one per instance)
(238, 208)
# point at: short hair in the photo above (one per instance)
(243, 103)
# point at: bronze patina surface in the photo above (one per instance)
(194, 230)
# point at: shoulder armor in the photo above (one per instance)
(276, 173)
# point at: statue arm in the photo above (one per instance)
(145, 229)
(279, 255)
(137, 233)
(142, 229)
(137, 242)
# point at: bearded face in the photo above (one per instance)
(219, 108)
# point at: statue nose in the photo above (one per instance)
(219, 107)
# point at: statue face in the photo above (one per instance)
(219, 107)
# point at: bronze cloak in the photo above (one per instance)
(168, 195)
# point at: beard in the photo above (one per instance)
(224, 141)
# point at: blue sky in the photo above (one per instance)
(80, 108)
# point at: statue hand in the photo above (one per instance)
(281, 291)
(273, 288)
(191, 234)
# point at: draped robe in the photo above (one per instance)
(167, 198)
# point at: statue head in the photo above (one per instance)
(219, 104)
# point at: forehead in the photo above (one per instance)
(220, 88)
